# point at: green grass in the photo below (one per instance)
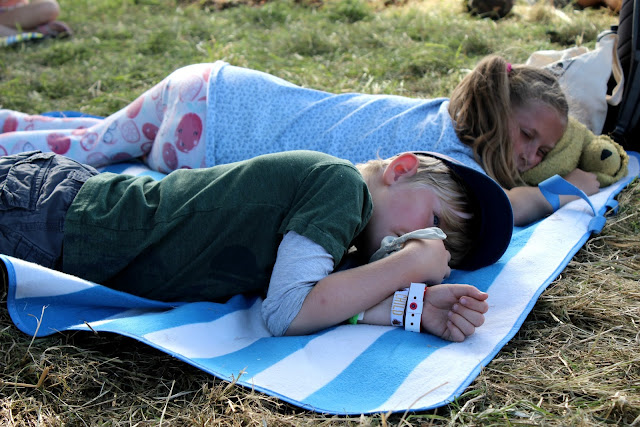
(123, 47)
(573, 362)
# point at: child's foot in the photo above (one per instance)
(55, 29)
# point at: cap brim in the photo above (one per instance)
(491, 204)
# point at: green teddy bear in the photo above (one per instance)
(581, 148)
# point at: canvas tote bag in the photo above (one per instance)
(584, 76)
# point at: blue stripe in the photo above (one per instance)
(402, 351)
(69, 114)
(187, 314)
(122, 168)
(484, 277)
(64, 311)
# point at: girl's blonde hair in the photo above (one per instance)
(481, 107)
(456, 216)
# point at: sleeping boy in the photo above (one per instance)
(279, 223)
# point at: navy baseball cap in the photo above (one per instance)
(493, 217)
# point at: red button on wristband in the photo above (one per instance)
(414, 307)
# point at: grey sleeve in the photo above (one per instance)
(300, 264)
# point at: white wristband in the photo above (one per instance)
(414, 307)
(398, 304)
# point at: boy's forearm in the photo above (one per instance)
(343, 294)
(379, 314)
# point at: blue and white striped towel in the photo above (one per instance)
(349, 369)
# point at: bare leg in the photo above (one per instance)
(28, 16)
(614, 5)
(7, 31)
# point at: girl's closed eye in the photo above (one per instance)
(543, 151)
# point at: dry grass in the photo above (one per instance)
(575, 361)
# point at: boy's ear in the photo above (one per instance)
(404, 166)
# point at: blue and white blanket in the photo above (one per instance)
(349, 369)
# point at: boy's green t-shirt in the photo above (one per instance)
(206, 234)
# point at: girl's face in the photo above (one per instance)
(535, 129)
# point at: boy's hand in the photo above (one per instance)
(453, 312)
(430, 260)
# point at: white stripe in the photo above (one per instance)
(37, 281)
(125, 314)
(225, 335)
(309, 369)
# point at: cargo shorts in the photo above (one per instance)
(36, 190)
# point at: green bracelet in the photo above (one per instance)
(354, 320)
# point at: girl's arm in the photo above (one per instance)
(343, 294)
(530, 205)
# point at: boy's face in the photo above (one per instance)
(535, 129)
(399, 209)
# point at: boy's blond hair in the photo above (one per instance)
(456, 213)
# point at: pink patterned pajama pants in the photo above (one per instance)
(165, 126)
